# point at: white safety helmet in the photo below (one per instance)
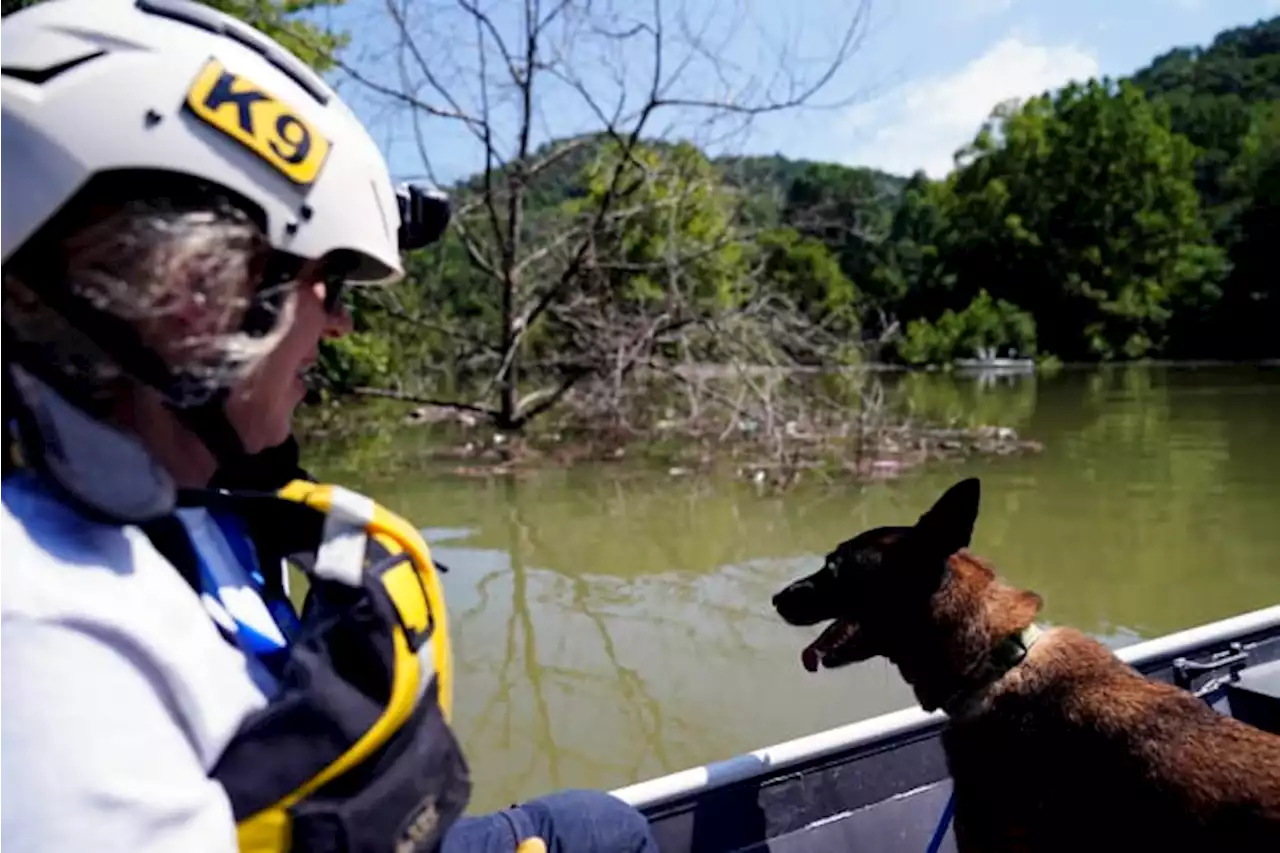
(94, 92)
(93, 86)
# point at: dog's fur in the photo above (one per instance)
(1071, 749)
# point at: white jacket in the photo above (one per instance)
(119, 691)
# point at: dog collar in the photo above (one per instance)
(1007, 654)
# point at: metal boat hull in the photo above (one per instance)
(881, 784)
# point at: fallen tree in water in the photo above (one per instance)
(773, 427)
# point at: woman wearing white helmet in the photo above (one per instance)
(182, 204)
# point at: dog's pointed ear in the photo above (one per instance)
(948, 525)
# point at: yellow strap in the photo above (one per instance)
(268, 831)
(386, 522)
(383, 525)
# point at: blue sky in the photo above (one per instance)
(925, 75)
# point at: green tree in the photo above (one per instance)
(910, 278)
(1245, 321)
(1081, 208)
(1211, 93)
(984, 324)
(674, 235)
(850, 210)
(805, 271)
(667, 262)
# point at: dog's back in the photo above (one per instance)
(1074, 750)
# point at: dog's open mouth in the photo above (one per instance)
(827, 649)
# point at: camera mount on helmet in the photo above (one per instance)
(424, 216)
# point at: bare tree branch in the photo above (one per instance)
(569, 277)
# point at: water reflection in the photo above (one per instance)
(670, 657)
(610, 628)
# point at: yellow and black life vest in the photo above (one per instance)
(355, 752)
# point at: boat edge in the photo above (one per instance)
(661, 789)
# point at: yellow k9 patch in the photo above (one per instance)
(259, 121)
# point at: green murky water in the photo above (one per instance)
(609, 630)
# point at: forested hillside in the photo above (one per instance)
(1111, 219)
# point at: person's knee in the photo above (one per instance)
(585, 821)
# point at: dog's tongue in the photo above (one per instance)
(835, 634)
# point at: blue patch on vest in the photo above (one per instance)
(266, 648)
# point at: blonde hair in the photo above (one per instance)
(182, 276)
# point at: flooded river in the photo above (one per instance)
(608, 630)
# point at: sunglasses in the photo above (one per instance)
(424, 216)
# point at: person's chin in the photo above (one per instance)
(275, 424)
(269, 436)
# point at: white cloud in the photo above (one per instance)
(921, 124)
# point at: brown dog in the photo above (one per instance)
(1053, 742)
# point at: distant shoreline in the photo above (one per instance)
(709, 371)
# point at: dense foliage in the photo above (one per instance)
(1126, 218)
(1110, 219)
